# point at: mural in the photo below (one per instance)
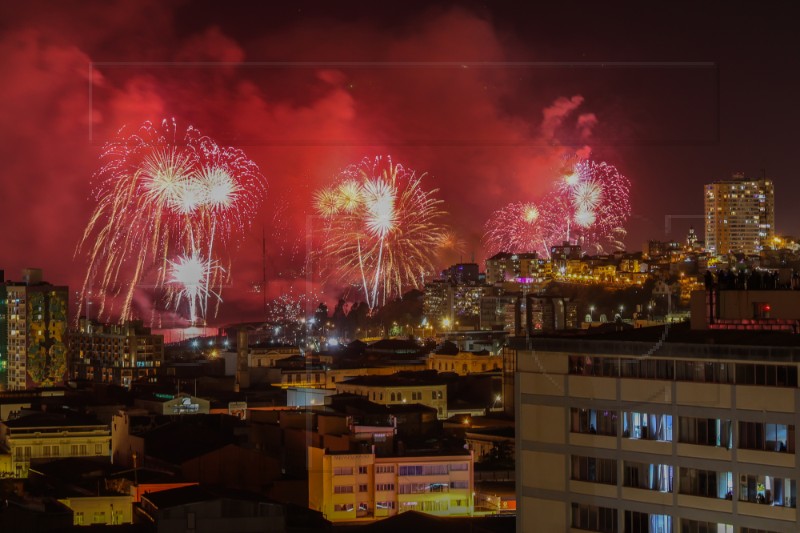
(47, 330)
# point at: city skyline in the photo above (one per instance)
(487, 101)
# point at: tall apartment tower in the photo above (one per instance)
(740, 215)
(3, 323)
(37, 321)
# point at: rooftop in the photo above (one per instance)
(671, 340)
(50, 420)
(400, 379)
(416, 521)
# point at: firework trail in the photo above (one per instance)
(189, 277)
(521, 227)
(381, 228)
(589, 206)
(158, 192)
(597, 205)
(450, 244)
(288, 314)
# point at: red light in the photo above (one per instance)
(767, 307)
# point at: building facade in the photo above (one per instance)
(546, 313)
(506, 266)
(396, 390)
(437, 304)
(501, 312)
(464, 363)
(347, 487)
(739, 215)
(37, 322)
(114, 353)
(45, 436)
(683, 435)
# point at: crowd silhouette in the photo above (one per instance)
(758, 280)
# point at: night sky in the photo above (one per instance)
(487, 99)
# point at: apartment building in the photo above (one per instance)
(449, 358)
(739, 215)
(658, 430)
(47, 436)
(424, 388)
(348, 487)
(114, 353)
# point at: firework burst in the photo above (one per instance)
(588, 206)
(521, 227)
(381, 228)
(189, 279)
(157, 192)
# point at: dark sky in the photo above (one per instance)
(673, 95)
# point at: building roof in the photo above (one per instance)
(189, 437)
(399, 379)
(47, 419)
(354, 404)
(198, 493)
(672, 340)
(505, 432)
(416, 521)
(447, 348)
(450, 348)
(165, 499)
(75, 468)
(396, 346)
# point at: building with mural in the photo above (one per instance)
(37, 322)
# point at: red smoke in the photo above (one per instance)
(435, 99)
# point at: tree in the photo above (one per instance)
(501, 456)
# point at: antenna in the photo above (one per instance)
(264, 270)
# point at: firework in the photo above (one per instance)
(381, 228)
(190, 276)
(159, 192)
(597, 205)
(450, 243)
(588, 206)
(522, 227)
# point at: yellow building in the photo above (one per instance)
(604, 272)
(739, 215)
(406, 387)
(647, 431)
(463, 363)
(49, 436)
(105, 509)
(315, 376)
(348, 487)
(266, 356)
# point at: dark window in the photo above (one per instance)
(594, 518)
(594, 469)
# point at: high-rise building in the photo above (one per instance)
(647, 431)
(506, 266)
(37, 315)
(437, 304)
(114, 353)
(463, 274)
(740, 215)
(350, 487)
(3, 323)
